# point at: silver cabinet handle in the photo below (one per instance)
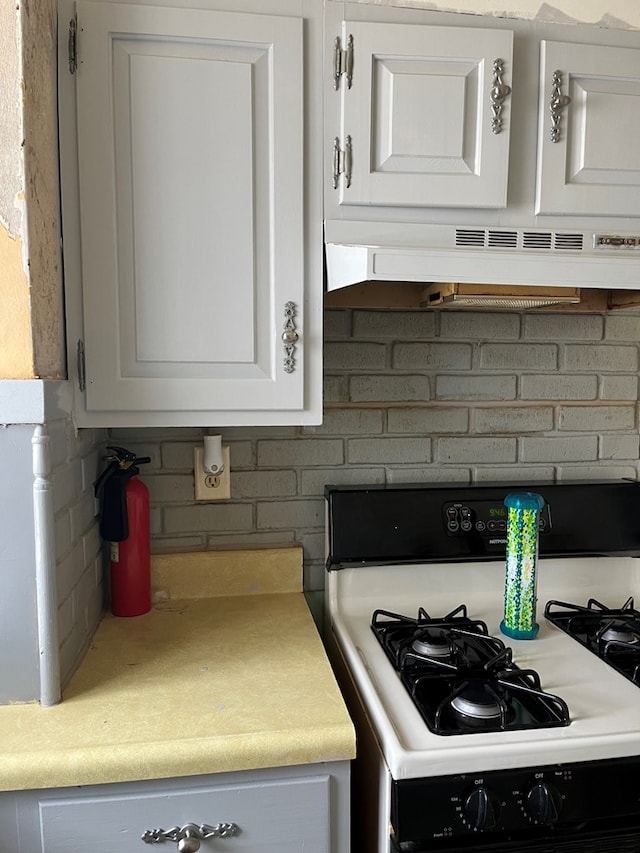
(289, 337)
(189, 836)
(336, 162)
(557, 103)
(499, 91)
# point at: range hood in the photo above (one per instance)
(545, 262)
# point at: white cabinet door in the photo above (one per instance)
(420, 119)
(190, 149)
(594, 166)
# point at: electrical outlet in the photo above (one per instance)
(208, 487)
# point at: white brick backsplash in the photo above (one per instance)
(619, 447)
(263, 484)
(479, 326)
(313, 480)
(178, 455)
(355, 356)
(79, 548)
(219, 516)
(428, 474)
(348, 422)
(475, 450)
(285, 514)
(518, 356)
(393, 324)
(410, 397)
(336, 389)
(337, 324)
(622, 327)
(575, 448)
(429, 420)
(427, 356)
(512, 474)
(513, 420)
(613, 387)
(558, 387)
(471, 387)
(563, 327)
(597, 472)
(385, 451)
(301, 453)
(170, 488)
(596, 418)
(389, 388)
(602, 357)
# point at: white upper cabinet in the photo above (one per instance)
(426, 116)
(193, 216)
(588, 151)
(444, 120)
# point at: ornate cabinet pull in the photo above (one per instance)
(556, 105)
(189, 836)
(499, 91)
(289, 337)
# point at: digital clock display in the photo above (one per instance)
(497, 511)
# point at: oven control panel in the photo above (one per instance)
(436, 813)
(484, 518)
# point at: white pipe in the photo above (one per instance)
(46, 594)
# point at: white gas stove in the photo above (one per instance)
(413, 603)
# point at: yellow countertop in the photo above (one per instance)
(225, 682)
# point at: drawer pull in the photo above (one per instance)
(189, 836)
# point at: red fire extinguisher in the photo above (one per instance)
(124, 524)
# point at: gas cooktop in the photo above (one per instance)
(461, 679)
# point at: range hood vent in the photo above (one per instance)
(452, 295)
(525, 256)
(492, 238)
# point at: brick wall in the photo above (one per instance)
(410, 396)
(75, 460)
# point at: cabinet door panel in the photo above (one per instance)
(419, 116)
(594, 167)
(188, 123)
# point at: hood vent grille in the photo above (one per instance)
(503, 239)
(541, 240)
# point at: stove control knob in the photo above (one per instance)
(544, 803)
(482, 809)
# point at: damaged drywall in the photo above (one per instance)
(16, 350)
(618, 14)
(39, 62)
(32, 320)
(16, 360)
(11, 168)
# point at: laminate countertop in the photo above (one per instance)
(226, 672)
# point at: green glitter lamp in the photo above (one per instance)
(520, 594)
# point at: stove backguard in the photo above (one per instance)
(421, 523)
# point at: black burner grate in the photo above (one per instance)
(461, 679)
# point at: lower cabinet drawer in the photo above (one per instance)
(287, 816)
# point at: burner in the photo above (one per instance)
(431, 644)
(477, 700)
(611, 634)
(619, 631)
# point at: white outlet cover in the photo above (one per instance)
(204, 492)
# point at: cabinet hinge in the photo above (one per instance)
(73, 45)
(342, 62)
(342, 160)
(82, 376)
